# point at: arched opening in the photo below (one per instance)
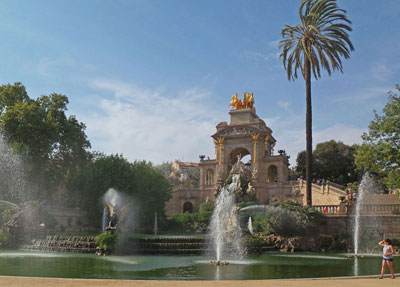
(188, 207)
(272, 173)
(245, 157)
(209, 177)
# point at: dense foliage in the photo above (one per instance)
(380, 151)
(53, 145)
(107, 240)
(145, 186)
(287, 219)
(332, 160)
(198, 221)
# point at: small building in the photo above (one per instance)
(185, 170)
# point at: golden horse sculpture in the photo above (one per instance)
(248, 101)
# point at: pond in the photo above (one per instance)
(266, 266)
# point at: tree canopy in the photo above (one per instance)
(333, 161)
(143, 184)
(380, 151)
(54, 145)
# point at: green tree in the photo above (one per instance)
(319, 41)
(333, 161)
(380, 151)
(54, 145)
(146, 186)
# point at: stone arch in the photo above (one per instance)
(188, 207)
(234, 153)
(273, 174)
(209, 176)
(233, 156)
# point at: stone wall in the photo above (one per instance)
(182, 194)
(69, 219)
(387, 225)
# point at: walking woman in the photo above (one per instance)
(387, 259)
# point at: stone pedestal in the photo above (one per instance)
(243, 116)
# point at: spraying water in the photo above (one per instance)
(104, 219)
(10, 203)
(155, 224)
(226, 234)
(250, 225)
(13, 180)
(367, 185)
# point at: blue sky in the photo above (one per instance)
(152, 79)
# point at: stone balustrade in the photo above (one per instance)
(372, 209)
(327, 209)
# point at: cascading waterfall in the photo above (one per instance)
(226, 234)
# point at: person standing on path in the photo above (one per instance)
(387, 259)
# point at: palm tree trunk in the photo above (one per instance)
(308, 133)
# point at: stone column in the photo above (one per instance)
(255, 140)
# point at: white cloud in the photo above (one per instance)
(151, 125)
(381, 72)
(290, 135)
(51, 67)
(271, 53)
(345, 133)
(285, 105)
(364, 94)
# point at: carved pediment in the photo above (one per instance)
(237, 131)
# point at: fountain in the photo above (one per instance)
(104, 219)
(113, 204)
(155, 224)
(12, 173)
(367, 185)
(226, 233)
(250, 226)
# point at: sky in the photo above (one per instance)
(152, 78)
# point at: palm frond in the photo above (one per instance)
(321, 38)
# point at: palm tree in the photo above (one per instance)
(320, 40)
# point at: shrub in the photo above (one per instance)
(290, 218)
(198, 221)
(254, 244)
(107, 239)
(185, 221)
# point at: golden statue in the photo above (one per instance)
(234, 101)
(246, 103)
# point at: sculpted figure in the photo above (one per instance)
(247, 102)
(234, 101)
(250, 100)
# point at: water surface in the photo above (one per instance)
(267, 266)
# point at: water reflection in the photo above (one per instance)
(218, 273)
(267, 266)
(356, 269)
